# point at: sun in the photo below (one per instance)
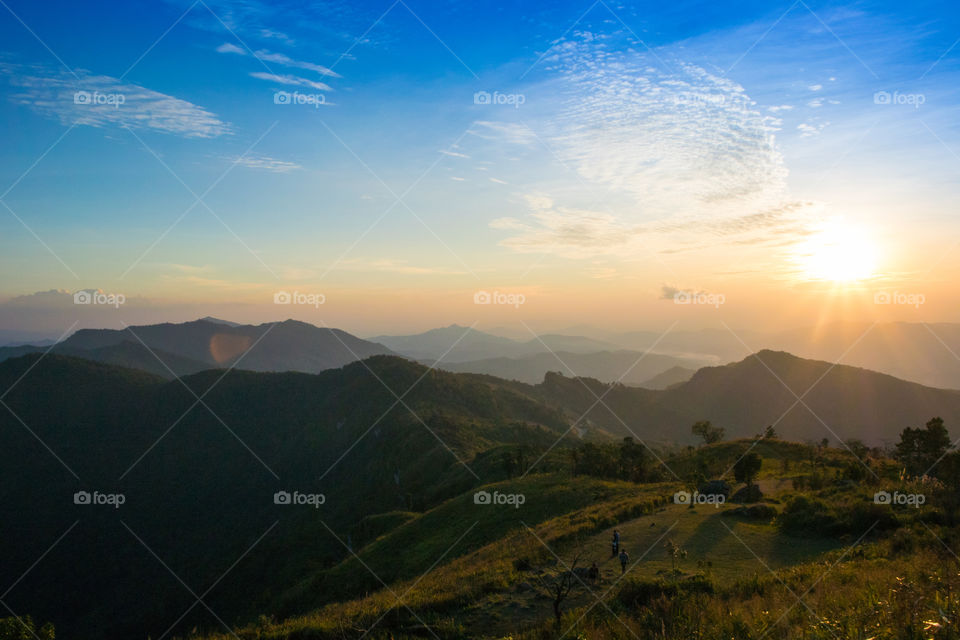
(838, 252)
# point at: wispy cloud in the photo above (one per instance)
(266, 163)
(510, 132)
(291, 80)
(278, 58)
(684, 155)
(105, 101)
(388, 265)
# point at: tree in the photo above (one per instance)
(709, 433)
(747, 468)
(769, 433)
(919, 450)
(857, 448)
(632, 461)
(559, 583)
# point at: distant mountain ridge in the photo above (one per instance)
(178, 349)
(628, 367)
(837, 401)
(463, 344)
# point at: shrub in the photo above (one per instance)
(806, 516)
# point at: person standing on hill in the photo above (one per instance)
(616, 543)
(624, 559)
(593, 575)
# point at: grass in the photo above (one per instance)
(463, 570)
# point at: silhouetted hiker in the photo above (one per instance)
(594, 573)
(624, 559)
(616, 543)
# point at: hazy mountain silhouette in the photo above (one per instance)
(210, 343)
(746, 396)
(924, 353)
(668, 378)
(463, 344)
(629, 367)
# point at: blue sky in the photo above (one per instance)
(635, 148)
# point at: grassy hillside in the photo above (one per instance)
(740, 571)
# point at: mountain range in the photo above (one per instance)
(925, 353)
(378, 439)
(172, 350)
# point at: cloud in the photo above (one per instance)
(226, 47)
(105, 101)
(266, 163)
(278, 58)
(401, 267)
(815, 87)
(682, 156)
(291, 80)
(670, 292)
(503, 132)
(582, 233)
(454, 154)
(808, 129)
(498, 181)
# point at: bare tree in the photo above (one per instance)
(558, 582)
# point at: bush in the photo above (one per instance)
(860, 516)
(806, 516)
(759, 512)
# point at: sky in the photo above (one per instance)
(388, 167)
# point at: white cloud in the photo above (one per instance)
(498, 181)
(105, 101)
(808, 129)
(266, 163)
(226, 47)
(503, 131)
(278, 58)
(815, 87)
(685, 155)
(291, 80)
